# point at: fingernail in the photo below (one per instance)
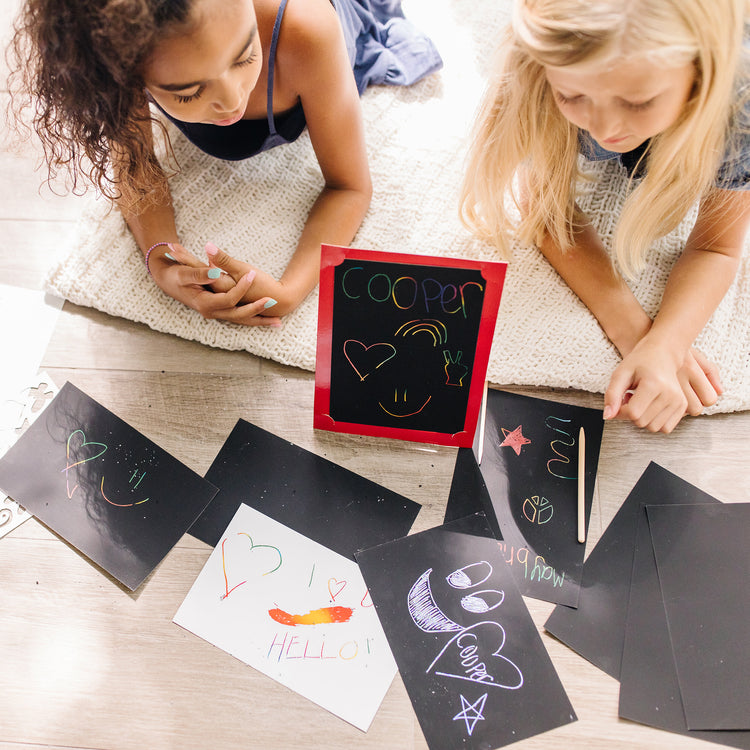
(250, 275)
(211, 249)
(171, 257)
(607, 412)
(214, 273)
(270, 303)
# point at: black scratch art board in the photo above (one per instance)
(527, 483)
(467, 649)
(596, 630)
(403, 344)
(649, 686)
(311, 495)
(112, 493)
(703, 560)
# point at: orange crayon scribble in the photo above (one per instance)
(321, 616)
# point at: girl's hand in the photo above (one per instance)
(283, 298)
(654, 390)
(198, 286)
(700, 380)
(222, 283)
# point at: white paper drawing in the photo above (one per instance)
(295, 611)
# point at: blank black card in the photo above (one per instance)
(311, 495)
(100, 484)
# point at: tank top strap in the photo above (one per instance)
(271, 64)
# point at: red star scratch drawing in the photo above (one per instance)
(514, 439)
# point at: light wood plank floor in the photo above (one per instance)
(83, 664)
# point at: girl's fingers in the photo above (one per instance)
(249, 315)
(224, 261)
(672, 422)
(215, 307)
(655, 410)
(179, 254)
(704, 392)
(615, 395)
(225, 305)
(241, 288)
(236, 295)
(710, 370)
(695, 403)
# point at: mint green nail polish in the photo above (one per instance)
(214, 273)
(171, 257)
(270, 303)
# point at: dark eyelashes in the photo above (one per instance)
(193, 97)
(564, 99)
(639, 107)
(633, 107)
(186, 99)
(247, 61)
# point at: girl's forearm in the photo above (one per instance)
(697, 284)
(587, 269)
(334, 219)
(155, 224)
(704, 272)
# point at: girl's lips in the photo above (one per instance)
(229, 120)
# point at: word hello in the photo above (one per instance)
(287, 647)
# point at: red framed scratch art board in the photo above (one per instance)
(403, 343)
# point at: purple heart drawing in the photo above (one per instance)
(473, 654)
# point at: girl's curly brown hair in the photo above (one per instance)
(76, 68)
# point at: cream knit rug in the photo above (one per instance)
(416, 139)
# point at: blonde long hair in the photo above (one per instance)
(519, 122)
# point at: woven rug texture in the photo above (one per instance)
(416, 139)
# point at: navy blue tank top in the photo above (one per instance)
(247, 138)
(383, 47)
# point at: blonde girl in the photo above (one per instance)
(660, 85)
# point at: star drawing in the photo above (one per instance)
(471, 713)
(514, 439)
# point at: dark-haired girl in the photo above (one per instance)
(237, 77)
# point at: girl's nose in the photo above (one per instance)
(227, 96)
(603, 123)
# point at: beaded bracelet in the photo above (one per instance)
(153, 247)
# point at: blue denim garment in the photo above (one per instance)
(733, 173)
(383, 46)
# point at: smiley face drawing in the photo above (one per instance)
(409, 377)
(468, 651)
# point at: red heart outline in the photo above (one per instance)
(341, 585)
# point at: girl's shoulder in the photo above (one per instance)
(305, 24)
(310, 47)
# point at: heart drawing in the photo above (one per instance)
(473, 654)
(277, 559)
(366, 359)
(337, 586)
(95, 449)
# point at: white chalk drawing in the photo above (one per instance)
(471, 713)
